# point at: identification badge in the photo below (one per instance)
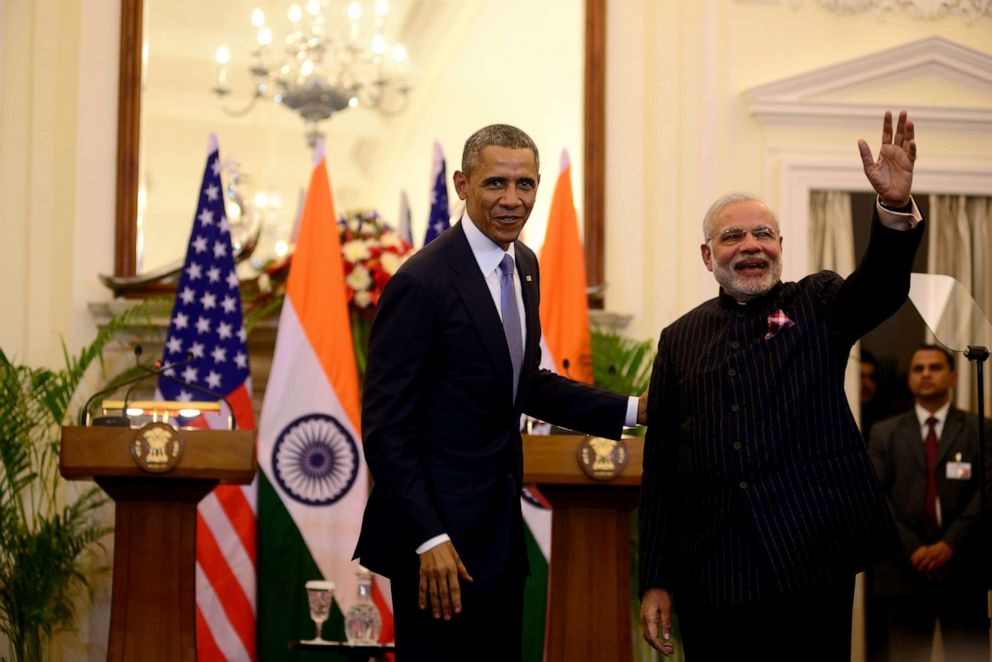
(959, 470)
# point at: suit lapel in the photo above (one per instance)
(953, 427)
(478, 301)
(911, 436)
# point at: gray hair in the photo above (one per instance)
(499, 135)
(725, 201)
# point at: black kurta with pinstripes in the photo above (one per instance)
(756, 479)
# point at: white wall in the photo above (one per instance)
(57, 146)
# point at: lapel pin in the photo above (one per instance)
(529, 279)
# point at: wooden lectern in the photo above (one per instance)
(153, 608)
(589, 593)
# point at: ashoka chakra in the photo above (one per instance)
(315, 460)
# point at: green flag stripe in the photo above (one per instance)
(284, 566)
(535, 601)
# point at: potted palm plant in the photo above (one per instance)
(44, 537)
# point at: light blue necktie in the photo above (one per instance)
(511, 319)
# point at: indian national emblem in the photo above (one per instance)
(157, 447)
(602, 459)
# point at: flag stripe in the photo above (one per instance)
(564, 303)
(240, 517)
(206, 648)
(212, 564)
(315, 288)
(225, 638)
(232, 553)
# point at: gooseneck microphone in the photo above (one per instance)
(84, 415)
(160, 370)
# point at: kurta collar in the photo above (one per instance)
(758, 304)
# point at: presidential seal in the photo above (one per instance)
(315, 460)
(157, 447)
(602, 459)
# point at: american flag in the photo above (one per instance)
(207, 325)
(440, 214)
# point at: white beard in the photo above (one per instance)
(743, 288)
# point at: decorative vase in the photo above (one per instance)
(363, 623)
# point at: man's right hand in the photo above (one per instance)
(440, 568)
(656, 605)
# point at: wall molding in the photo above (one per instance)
(806, 98)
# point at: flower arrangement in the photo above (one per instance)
(372, 252)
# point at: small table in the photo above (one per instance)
(354, 652)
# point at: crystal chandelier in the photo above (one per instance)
(334, 57)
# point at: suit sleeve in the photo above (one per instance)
(570, 404)
(399, 349)
(657, 524)
(567, 403)
(879, 450)
(880, 283)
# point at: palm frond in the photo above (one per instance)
(621, 364)
(42, 542)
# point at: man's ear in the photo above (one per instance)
(461, 184)
(707, 254)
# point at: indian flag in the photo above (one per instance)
(313, 483)
(565, 349)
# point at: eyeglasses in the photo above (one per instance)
(732, 236)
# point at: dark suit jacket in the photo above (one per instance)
(440, 432)
(897, 451)
(756, 480)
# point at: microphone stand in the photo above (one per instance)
(231, 419)
(84, 416)
(979, 355)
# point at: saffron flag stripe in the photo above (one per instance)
(224, 532)
(315, 286)
(210, 612)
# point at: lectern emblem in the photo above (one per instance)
(157, 447)
(602, 459)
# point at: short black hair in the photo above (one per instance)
(499, 135)
(937, 348)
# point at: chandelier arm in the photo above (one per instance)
(238, 112)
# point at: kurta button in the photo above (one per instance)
(737, 445)
(743, 484)
(735, 345)
(732, 372)
(740, 313)
(735, 408)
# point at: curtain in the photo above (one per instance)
(960, 245)
(831, 246)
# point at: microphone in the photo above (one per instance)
(161, 371)
(565, 364)
(84, 415)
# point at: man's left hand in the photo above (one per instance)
(892, 174)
